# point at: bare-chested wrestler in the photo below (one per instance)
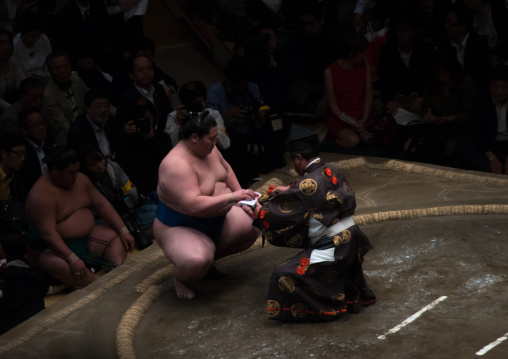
(198, 219)
(59, 208)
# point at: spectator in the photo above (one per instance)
(447, 115)
(11, 73)
(431, 18)
(307, 56)
(12, 157)
(491, 118)
(142, 46)
(30, 96)
(10, 12)
(256, 147)
(63, 233)
(349, 91)
(33, 127)
(403, 63)
(64, 97)
(464, 45)
(95, 125)
(374, 16)
(140, 154)
(31, 46)
(193, 98)
(109, 178)
(145, 46)
(142, 98)
(95, 46)
(12, 197)
(490, 21)
(264, 57)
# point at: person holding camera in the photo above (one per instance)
(110, 179)
(257, 138)
(198, 219)
(142, 98)
(140, 153)
(193, 98)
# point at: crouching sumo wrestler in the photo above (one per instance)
(198, 219)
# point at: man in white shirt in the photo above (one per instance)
(192, 96)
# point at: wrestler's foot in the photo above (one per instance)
(182, 291)
(214, 273)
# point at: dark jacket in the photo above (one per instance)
(476, 58)
(128, 106)
(397, 79)
(31, 170)
(141, 159)
(81, 133)
(96, 39)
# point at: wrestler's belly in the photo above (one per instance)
(78, 224)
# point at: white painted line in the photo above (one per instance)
(492, 345)
(413, 317)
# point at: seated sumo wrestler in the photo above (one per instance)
(59, 210)
(197, 221)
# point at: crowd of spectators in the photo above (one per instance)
(79, 90)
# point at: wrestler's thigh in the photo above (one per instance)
(237, 227)
(182, 244)
(102, 237)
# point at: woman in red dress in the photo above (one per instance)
(348, 88)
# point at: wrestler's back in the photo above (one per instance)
(210, 171)
(74, 219)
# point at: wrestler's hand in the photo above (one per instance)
(242, 194)
(127, 241)
(78, 269)
(247, 209)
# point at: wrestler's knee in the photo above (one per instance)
(196, 265)
(53, 265)
(116, 252)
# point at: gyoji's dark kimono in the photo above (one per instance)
(326, 290)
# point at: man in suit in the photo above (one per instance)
(491, 116)
(95, 125)
(63, 98)
(33, 127)
(143, 98)
(463, 44)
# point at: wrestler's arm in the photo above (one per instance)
(231, 181)
(106, 211)
(234, 185)
(41, 208)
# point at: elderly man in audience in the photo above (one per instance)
(64, 97)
